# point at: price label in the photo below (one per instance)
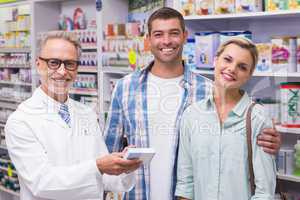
(9, 171)
(132, 57)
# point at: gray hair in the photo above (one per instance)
(68, 36)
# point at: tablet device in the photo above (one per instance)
(144, 154)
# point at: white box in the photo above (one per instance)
(144, 154)
(243, 6)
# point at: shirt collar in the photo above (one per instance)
(144, 73)
(242, 105)
(51, 104)
(239, 109)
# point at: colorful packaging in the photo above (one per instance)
(290, 104)
(284, 54)
(207, 44)
(294, 4)
(273, 5)
(189, 53)
(187, 7)
(264, 57)
(243, 6)
(224, 6)
(204, 7)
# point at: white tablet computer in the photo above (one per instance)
(144, 154)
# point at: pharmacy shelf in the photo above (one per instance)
(288, 130)
(83, 91)
(94, 48)
(247, 16)
(2, 125)
(15, 50)
(2, 121)
(88, 69)
(289, 177)
(15, 83)
(257, 74)
(10, 99)
(6, 169)
(9, 191)
(15, 66)
(3, 147)
(116, 70)
(12, 106)
(277, 74)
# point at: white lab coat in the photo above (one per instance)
(55, 161)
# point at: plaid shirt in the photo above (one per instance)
(128, 118)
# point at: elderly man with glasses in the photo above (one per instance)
(54, 142)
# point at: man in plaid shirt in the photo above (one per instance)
(147, 106)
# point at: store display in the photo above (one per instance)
(206, 47)
(273, 5)
(293, 4)
(284, 54)
(88, 59)
(285, 161)
(243, 6)
(224, 6)
(15, 60)
(264, 57)
(187, 7)
(188, 53)
(85, 81)
(204, 7)
(290, 104)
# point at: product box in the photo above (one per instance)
(189, 53)
(187, 7)
(225, 35)
(298, 54)
(204, 7)
(224, 6)
(273, 5)
(284, 54)
(264, 57)
(285, 161)
(207, 44)
(294, 4)
(242, 6)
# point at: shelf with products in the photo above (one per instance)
(247, 16)
(258, 74)
(117, 70)
(6, 169)
(282, 129)
(289, 177)
(15, 50)
(84, 91)
(15, 83)
(4, 189)
(11, 106)
(87, 69)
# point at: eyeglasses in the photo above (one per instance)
(55, 64)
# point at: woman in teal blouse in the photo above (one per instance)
(212, 160)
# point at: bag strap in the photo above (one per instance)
(249, 146)
(250, 153)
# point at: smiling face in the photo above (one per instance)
(166, 40)
(233, 67)
(56, 83)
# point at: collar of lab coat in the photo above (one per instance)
(45, 107)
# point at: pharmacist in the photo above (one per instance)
(54, 142)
